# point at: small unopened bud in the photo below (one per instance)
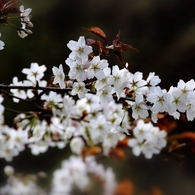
(9, 170)
(42, 174)
(69, 83)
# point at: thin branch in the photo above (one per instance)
(18, 112)
(59, 90)
(2, 86)
(29, 101)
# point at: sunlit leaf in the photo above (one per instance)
(99, 32)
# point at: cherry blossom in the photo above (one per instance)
(59, 76)
(79, 49)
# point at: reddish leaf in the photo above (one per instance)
(103, 51)
(99, 32)
(94, 42)
(121, 46)
(9, 4)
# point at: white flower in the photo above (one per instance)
(139, 107)
(2, 108)
(136, 81)
(136, 145)
(19, 138)
(79, 89)
(177, 100)
(142, 131)
(18, 92)
(105, 95)
(107, 80)
(190, 111)
(158, 97)
(38, 147)
(186, 87)
(111, 140)
(52, 99)
(94, 102)
(38, 131)
(8, 151)
(79, 49)
(77, 69)
(81, 107)
(96, 68)
(99, 127)
(152, 80)
(121, 80)
(35, 72)
(2, 44)
(59, 76)
(68, 104)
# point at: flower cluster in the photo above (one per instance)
(18, 184)
(74, 175)
(34, 77)
(86, 121)
(75, 171)
(145, 96)
(148, 139)
(97, 118)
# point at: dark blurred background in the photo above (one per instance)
(162, 31)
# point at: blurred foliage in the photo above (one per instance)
(162, 31)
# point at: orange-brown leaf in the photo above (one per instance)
(119, 153)
(155, 191)
(123, 143)
(91, 151)
(125, 187)
(99, 32)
